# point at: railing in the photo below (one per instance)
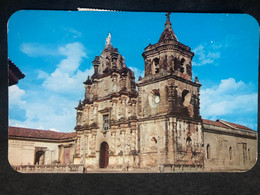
(69, 168)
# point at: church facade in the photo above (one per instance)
(154, 124)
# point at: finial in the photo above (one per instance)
(196, 80)
(88, 81)
(108, 39)
(79, 107)
(168, 22)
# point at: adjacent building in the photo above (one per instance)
(14, 73)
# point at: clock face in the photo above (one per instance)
(156, 99)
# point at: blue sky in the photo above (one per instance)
(54, 49)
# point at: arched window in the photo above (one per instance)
(184, 93)
(208, 152)
(182, 65)
(155, 68)
(186, 97)
(188, 140)
(230, 153)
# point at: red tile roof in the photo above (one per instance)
(238, 126)
(40, 134)
(220, 124)
(214, 123)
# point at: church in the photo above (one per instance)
(153, 125)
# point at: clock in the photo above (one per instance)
(156, 99)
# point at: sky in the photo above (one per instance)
(55, 50)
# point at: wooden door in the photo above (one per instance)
(103, 158)
(66, 156)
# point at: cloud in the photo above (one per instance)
(44, 110)
(53, 129)
(42, 74)
(36, 49)
(229, 99)
(204, 55)
(208, 53)
(51, 105)
(137, 72)
(67, 75)
(15, 96)
(75, 33)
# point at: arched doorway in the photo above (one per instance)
(103, 157)
(39, 158)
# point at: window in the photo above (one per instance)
(208, 152)
(105, 122)
(230, 153)
(244, 152)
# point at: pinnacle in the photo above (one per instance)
(168, 33)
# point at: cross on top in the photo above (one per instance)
(168, 16)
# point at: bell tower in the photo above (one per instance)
(168, 55)
(168, 78)
(168, 103)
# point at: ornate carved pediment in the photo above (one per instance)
(106, 110)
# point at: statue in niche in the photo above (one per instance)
(127, 149)
(114, 88)
(108, 63)
(118, 142)
(128, 140)
(120, 109)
